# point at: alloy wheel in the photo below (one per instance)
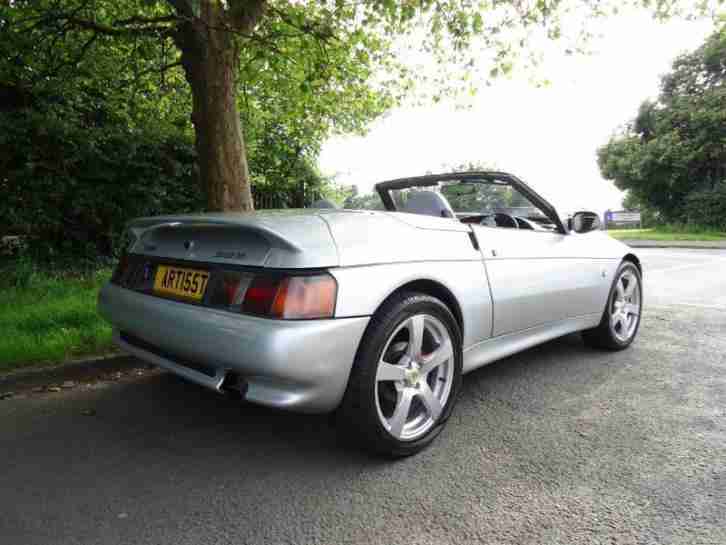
(625, 307)
(414, 377)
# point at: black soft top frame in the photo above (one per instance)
(478, 176)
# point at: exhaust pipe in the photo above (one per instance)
(234, 386)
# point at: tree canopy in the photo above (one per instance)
(672, 157)
(282, 72)
(112, 109)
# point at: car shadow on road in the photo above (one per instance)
(166, 412)
(181, 415)
(562, 358)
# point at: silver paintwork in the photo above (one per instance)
(496, 348)
(516, 289)
(415, 375)
(288, 364)
(281, 239)
(366, 238)
(361, 290)
(538, 277)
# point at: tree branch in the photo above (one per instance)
(110, 30)
(160, 69)
(138, 20)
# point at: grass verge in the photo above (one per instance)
(48, 318)
(667, 233)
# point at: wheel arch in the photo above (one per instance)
(434, 289)
(634, 260)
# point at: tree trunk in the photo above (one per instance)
(210, 57)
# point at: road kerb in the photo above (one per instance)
(689, 244)
(86, 369)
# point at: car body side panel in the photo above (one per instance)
(386, 237)
(496, 348)
(539, 277)
(361, 290)
(515, 243)
(530, 292)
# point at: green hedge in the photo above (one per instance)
(707, 207)
(69, 180)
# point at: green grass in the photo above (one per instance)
(668, 233)
(48, 318)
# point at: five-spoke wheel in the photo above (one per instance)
(625, 311)
(621, 318)
(406, 376)
(414, 376)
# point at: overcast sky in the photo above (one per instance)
(546, 135)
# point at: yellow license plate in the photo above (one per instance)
(187, 283)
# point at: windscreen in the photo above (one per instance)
(478, 198)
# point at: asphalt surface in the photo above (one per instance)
(559, 444)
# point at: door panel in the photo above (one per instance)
(538, 277)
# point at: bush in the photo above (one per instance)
(707, 207)
(69, 181)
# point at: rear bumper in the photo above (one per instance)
(297, 365)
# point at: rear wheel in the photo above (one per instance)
(406, 377)
(621, 318)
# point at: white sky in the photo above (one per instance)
(546, 135)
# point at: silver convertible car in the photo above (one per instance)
(372, 315)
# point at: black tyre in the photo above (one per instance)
(621, 317)
(405, 379)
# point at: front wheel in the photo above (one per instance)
(406, 377)
(621, 318)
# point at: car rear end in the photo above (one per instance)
(239, 303)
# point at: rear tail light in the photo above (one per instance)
(276, 296)
(305, 297)
(260, 295)
(228, 289)
(270, 295)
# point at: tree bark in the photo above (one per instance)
(210, 58)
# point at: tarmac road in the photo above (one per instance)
(559, 444)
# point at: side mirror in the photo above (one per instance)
(584, 222)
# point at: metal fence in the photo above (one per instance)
(270, 200)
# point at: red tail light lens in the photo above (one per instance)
(305, 297)
(260, 295)
(292, 297)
